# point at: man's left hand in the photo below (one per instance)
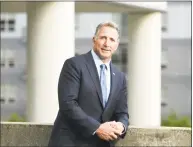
(117, 125)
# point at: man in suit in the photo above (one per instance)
(92, 96)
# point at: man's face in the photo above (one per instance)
(106, 42)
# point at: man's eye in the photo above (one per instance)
(112, 40)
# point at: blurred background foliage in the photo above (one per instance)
(172, 120)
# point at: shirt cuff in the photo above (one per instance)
(94, 133)
(124, 129)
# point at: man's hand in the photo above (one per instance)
(117, 125)
(107, 132)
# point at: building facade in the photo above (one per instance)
(176, 57)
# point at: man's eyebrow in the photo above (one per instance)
(106, 36)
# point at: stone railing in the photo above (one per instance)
(28, 134)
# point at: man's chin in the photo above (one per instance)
(105, 58)
(105, 55)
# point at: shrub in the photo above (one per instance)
(16, 118)
(174, 121)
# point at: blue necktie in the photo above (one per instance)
(103, 83)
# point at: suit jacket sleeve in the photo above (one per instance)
(68, 89)
(121, 111)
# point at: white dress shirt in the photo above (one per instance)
(98, 62)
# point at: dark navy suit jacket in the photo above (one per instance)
(80, 103)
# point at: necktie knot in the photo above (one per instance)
(103, 66)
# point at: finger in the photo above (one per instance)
(117, 132)
(104, 137)
(113, 136)
(110, 138)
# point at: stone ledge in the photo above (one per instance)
(34, 134)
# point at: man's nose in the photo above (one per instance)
(106, 42)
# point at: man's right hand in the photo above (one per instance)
(106, 132)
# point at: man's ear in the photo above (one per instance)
(93, 39)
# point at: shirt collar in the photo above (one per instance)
(98, 61)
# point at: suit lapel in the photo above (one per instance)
(94, 74)
(114, 82)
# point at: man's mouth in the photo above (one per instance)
(105, 49)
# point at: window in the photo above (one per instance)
(3, 94)
(11, 100)
(8, 94)
(164, 29)
(164, 60)
(120, 58)
(2, 25)
(11, 24)
(164, 22)
(7, 25)
(2, 100)
(11, 63)
(11, 96)
(2, 63)
(24, 35)
(77, 21)
(124, 25)
(7, 58)
(124, 55)
(3, 60)
(164, 91)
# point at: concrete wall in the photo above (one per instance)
(25, 134)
